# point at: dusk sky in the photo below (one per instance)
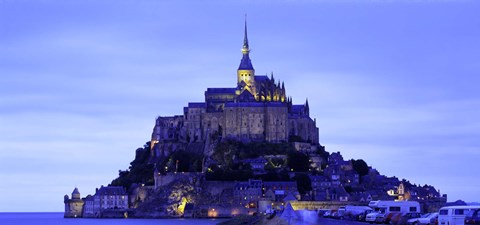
(81, 82)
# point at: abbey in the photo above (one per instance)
(256, 110)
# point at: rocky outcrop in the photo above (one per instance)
(170, 199)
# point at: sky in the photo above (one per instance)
(81, 82)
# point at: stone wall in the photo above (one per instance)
(139, 195)
(73, 208)
(245, 123)
(303, 127)
(315, 205)
(164, 180)
(216, 188)
(276, 127)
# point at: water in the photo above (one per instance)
(57, 218)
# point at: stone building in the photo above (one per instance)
(247, 193)
(109, 201)
(111, 197)
(280, 190)
(74, 205)
(257, 109)
(89, 207)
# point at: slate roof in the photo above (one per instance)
(75, 191)
(197, 105)
(255, 160)
(248, 184)
(255, 104)
(298, 109)
(261, 78)
(221, 90)
(111, 190)
(245, 63)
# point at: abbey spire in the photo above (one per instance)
(245, 49)
(245, 72)
(245, 63)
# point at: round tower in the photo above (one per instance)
(74, 205)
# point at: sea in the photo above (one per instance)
(57, 218)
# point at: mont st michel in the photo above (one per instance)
(246, 150)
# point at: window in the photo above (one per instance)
(459, 212)
(443, 212)
(413, 209)
(394, 208)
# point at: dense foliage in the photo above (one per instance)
(140, 171)
(183, 161)
(304, 184)
(228, 156)
(298, 162)
(360, 167)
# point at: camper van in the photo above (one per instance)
(454, 215)
(384, 209)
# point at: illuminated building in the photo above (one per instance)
(256, 110)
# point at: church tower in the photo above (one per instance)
(245, 72)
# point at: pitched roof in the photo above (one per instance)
(197, 105)
(255, 104)
(75, 191)
(220, 90)
(289, 197)
(245, 63)
(298, 109)
(260, 78)
(255, 160)
(111, 190)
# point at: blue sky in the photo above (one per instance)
(392, 82)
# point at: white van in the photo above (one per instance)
(384, 208)
(454, 215)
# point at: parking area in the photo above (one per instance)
(327, 221)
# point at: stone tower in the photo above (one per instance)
(73, 206)
(245, 72)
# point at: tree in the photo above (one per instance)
(298, 161)
(304, 184)
(183, 161)
(140, 171)
(360, 167)
(224, 153)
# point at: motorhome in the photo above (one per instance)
(382, 209)
(454, 215)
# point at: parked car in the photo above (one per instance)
(404, 217)
(334, 215)
(473, 217)
(427, 219)
(375, 217)
(321, 212)
(361, 217)
(328, 214)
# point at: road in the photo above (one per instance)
(325, 221)
(310, 221)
